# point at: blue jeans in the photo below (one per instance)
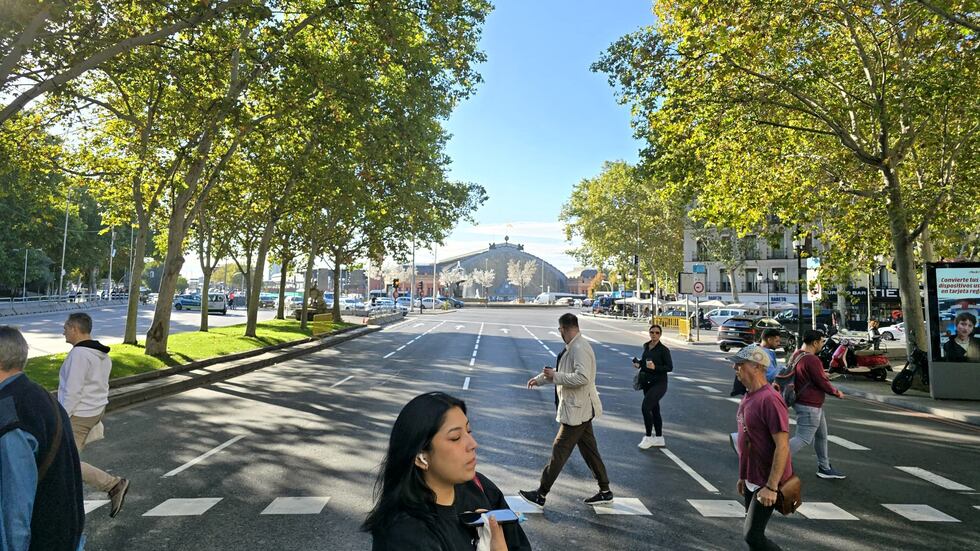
(811, 427)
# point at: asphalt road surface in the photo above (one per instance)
(286, 457)
(43, 331)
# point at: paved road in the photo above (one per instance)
(43, 331)
(316, 428)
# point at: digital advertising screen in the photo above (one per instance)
(954, 311)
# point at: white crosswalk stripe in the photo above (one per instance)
(183, 507)
(824, 511)
(846, 443)
(296, 506)
(93, 504)
(709, 389)
(718, 508)
(919, 512)
(934, 478)
(518, 505)
(622, 506)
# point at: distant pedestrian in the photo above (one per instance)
(654, 365)
(770, 341)
(812, 387)
(83, 390)
(428, 478)
(764, 459)
(41, 506)
(578, 405)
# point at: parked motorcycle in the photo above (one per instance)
(854, 358)
(918, 363)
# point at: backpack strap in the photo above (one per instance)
(476, 480)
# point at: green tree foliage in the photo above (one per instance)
(853, 119)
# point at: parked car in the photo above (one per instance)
(892, 332)
(431, 303)
(292, 303)
(266, 300)
(718, 316)
(601, 305)
(741, 331)
(217, 302)
(790, 320)
(454, 302)
(405, 302)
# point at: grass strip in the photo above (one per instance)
(128, 359)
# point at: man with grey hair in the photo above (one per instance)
(83, 390)
(40, 480)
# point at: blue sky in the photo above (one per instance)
(540, 121)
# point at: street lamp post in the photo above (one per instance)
(768, 283)
(798, 247)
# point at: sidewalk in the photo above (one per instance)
(963, 411)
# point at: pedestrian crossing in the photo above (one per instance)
(627, 506)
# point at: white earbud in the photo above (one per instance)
(422, 459)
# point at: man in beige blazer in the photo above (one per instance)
(578, 404)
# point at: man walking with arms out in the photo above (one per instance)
(578, 404)
(812, 387)
(83, 390)
(763, 444)
(40, 483)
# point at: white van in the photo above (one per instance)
(719, 316)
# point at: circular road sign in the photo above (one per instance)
(698, 287)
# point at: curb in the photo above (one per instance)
(135, 392)
(906, 403)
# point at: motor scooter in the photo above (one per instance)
(853, 358)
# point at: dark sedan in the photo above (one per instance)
(742, 331)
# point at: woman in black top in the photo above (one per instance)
(428, 478)
(654, 365)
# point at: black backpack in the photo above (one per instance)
(785, 383)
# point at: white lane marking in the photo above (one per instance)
(623, 506)
(466, 384)
(687, 469)
(518, 505)
(613, 349)
(296, 506)
(535, 337)
(93, 504)
(824, 511)
(505, 330)
(682, 378)
(555, 334)
(458, 327)
(588, 338)
(400, 348)
(708, 389)
(418, 325)
(342, 381)
(718, 508)
(940, 481)
(846, 443)
(739, 401)
(183, 507)
(919, 513)
(203, 456)
(624, 354)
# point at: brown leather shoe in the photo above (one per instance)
(117, 495)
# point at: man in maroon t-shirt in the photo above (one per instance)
(764, 458)
(812, 387)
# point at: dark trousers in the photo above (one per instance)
(566, 440)
(756, 518)
(651, 407)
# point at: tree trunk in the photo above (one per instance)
(205, 286)
(257, 273)
(336, 288)
(306, 287)
(156, 337)
(731, 281)
(842, 304)
(908, 283)
(281, 312)
(132, 309)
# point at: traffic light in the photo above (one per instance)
(395, 282)
(420, 286)
(653, 288)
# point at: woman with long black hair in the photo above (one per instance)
(428, 478)
(654, 365)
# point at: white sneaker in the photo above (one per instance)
(646, 443)
(658, 442)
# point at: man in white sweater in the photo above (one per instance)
(83, 390)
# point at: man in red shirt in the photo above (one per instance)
(764, 458)
(812, 387)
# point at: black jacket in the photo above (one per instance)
(660, 356)
(408, 533)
